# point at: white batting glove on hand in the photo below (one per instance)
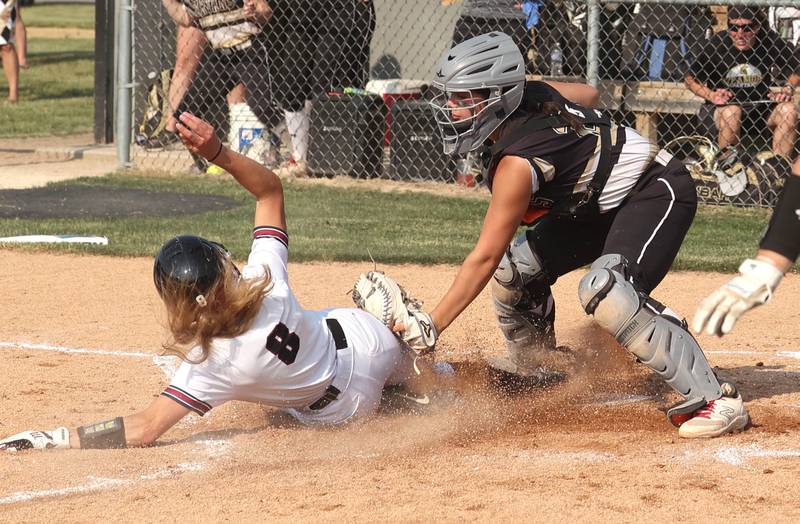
(57, 438)
(753, 287)
(382, 296)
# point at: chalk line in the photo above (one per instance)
(99, 484)
(736, 456)
(62, 349)
(211, 448)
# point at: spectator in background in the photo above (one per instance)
(8, 16)
(660, 41)
(238, 52)
(736, 68)
(189, 48)
(21, 40)
(317, 46)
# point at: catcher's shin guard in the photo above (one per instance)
(659, 341)
(525, 313)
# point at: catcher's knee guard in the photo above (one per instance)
(658, 340)
(523, 304)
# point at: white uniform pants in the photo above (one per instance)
(378, 358)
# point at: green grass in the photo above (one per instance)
(328, 223)
(325, 223)
(56, 93)
(59, 15)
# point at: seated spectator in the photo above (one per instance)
(8, 17)
(733, 73)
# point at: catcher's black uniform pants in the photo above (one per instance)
(647, 229)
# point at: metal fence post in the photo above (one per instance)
(124, 85)
(593, 42)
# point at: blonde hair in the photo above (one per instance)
(226, 310)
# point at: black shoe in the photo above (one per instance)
(398, 399)
(510, 378)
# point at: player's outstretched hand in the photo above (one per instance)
(57, 438)
(198, 136)
(382, 296)
(718, 313)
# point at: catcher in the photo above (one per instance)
(590, 192)
(244, 336)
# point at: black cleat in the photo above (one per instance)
(510, 378)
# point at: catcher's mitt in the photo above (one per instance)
(382, 297)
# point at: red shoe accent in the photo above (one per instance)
(706, 411)
(679, 419)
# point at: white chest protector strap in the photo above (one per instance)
(658, 341)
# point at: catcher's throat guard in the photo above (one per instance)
(657, 340)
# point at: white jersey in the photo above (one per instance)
(292, 358)
(286, 359)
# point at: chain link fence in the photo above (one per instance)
(339, 87)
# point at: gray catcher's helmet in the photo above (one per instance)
(489, 62)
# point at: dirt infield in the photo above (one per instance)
(78, 342)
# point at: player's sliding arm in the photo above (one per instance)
(199, 137)
(140, 429)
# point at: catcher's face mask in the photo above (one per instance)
(461, 116)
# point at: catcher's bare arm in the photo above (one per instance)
(507, 206)
(199, 137)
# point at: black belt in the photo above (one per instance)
(332, 393)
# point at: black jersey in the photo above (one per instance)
(747, 74)
(564, 162)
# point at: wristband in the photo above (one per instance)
(103, 435)
(218, 152)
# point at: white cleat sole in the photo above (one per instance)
(737, 424)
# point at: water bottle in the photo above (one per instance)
(556, 61)
(464, 176)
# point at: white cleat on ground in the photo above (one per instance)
(724, 415)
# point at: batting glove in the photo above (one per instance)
(57, 438)
(753, 287)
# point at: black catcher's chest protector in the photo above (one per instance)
(567, 202)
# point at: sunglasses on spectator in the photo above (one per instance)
(747, 28)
